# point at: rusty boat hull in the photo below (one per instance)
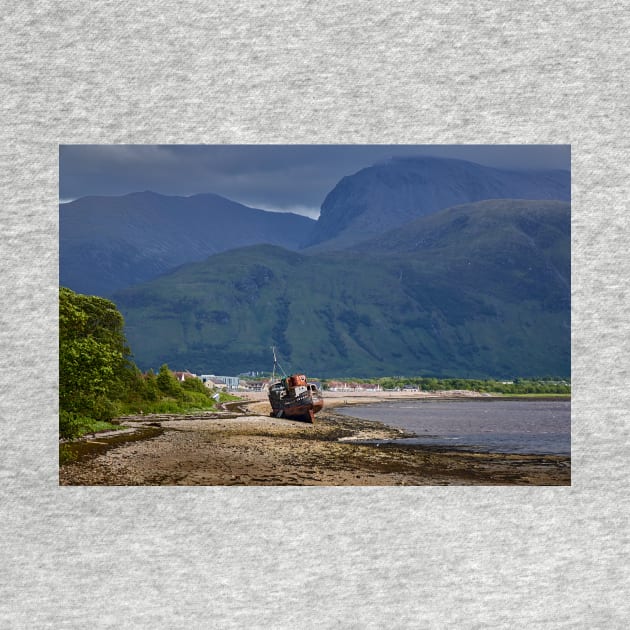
(295, 399)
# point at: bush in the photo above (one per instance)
(167, 383)
(195, 385)
(70, 424)
(93, 357)
(97, 379)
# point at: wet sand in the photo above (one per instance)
(229, 449)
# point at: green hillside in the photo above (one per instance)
(476, 291)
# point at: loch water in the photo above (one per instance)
(523, 426)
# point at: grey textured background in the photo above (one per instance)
(327, 72)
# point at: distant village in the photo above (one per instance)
(249, 382)
(212, 381)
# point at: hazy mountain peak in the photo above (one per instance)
(392, 193)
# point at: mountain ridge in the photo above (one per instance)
(107, 243)
(433, 311)
(394, 192)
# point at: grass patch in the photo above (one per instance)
(72, 425)
(94, 426)
(172, 405)
(163, 406)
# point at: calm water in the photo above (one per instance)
(501, 426)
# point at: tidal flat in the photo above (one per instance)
(253, 449)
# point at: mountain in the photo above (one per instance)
(495, 231)
(107, 243)
(479, 290)
(390, 194)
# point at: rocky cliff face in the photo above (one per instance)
(387, 195)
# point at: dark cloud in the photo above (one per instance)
(275, 177)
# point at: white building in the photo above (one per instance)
(232, 382)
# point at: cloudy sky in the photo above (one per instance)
(284, 178)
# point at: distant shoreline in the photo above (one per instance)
(257, 401)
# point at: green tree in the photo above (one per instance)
(98, 381)
(152, 389)
(194, 385)
(167, 383)
(93, 355)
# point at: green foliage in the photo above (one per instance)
(72, 425)
(163, 393)
(97, 381)
(547, 385)
(66, 454)
(152, 390)
(167, 383)
(194, 385)
(93, 358)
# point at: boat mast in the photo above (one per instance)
(275, 363)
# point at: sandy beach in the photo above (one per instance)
(244, 446)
